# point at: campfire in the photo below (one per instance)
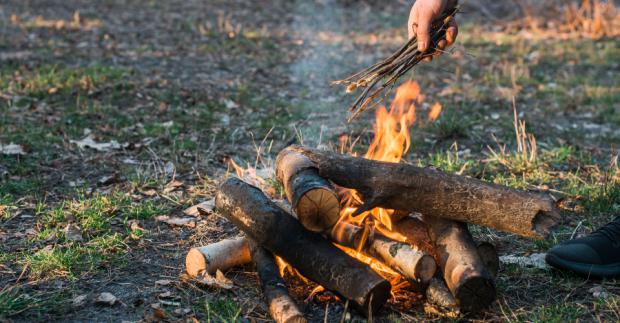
(367, 227)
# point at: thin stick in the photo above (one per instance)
(392, 68)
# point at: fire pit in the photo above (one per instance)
(363, 228)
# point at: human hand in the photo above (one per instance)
(421, 17)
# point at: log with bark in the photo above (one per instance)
(434, 193)
(282, 307)
(416, 232)
(439, 296)
(310, 253)
(221, 255)
(415, 265)
(313, 198)
(463, 270)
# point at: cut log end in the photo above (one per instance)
(426, 268)
(475, 294)
(217, 256)
(195, 262)
(544, 221)
(312, 197)
(318, 209)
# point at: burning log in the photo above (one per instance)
(312, 197)
(221, 255)
(464, 272)
(415, 265)
(310, 253)
(435, 193)
(281, 306)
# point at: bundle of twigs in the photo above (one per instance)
(376, 78)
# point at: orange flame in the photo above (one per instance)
(391, 142)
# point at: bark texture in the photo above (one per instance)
(310, 253)
(221, 255)
(282, 307)
(464, 272)
(313, 198)
(434, 193)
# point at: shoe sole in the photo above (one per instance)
(589, 270)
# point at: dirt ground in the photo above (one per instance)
(116, 113)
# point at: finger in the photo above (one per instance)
(428, 58)
(442, 44)
(424, 25)
(411, 23)
(452, 32)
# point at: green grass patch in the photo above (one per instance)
(220, 310)
(559, 313)
(31, 304)
(48, 80)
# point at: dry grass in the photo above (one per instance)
(526, 156)
(566, 19)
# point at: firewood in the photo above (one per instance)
(464, 272)
(438, 294)
(221, 255)
(310, 253)
(312, 197)
(415, 265)
(282, 307)
(431, 192)
(416, 232)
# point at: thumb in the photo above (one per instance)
(423, 30)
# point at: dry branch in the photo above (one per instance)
(382, 75)
(310, 253)
(434, 193)
(221, 255)
(282, 307)
(313, 198)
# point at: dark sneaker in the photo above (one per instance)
(596, 255)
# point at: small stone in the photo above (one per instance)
(79, 300)
(106, 298)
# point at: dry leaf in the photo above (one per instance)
(12, 149)
(160, 313)
(163, 282)
(203, 208)
(89, 142)
(172, 186)
(183, 222)
(219, 281)
(106, 299)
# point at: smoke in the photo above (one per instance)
(319, 29)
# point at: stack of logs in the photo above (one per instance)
(438, 256)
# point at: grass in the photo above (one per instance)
(221, 309)
(14, 301)
(53, 80)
